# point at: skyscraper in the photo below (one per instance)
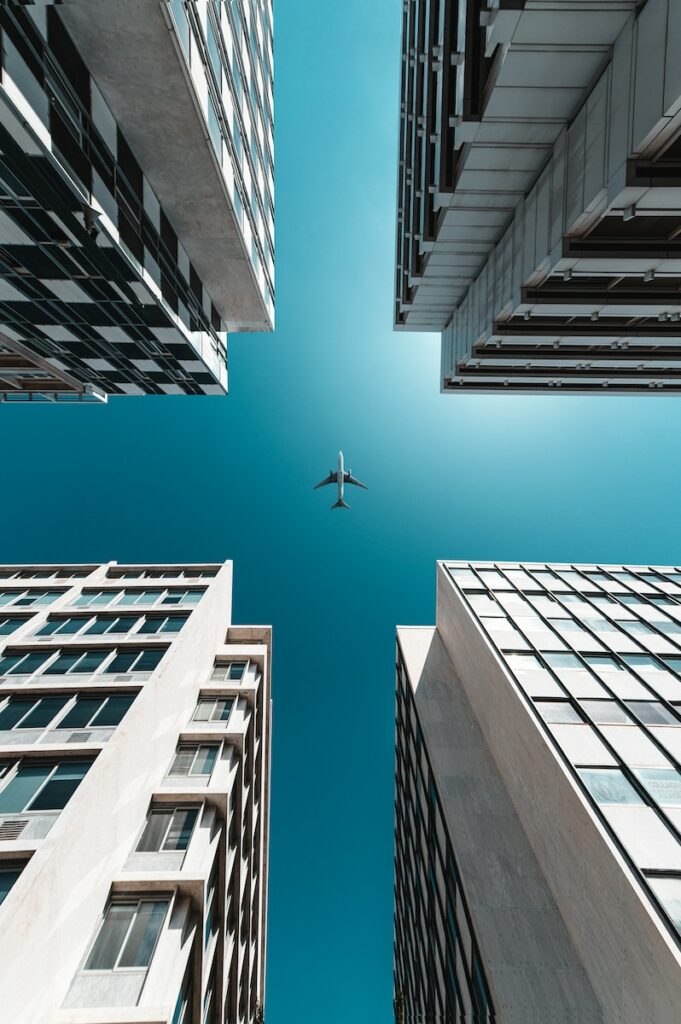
(538, 796)
(538, 201)
(137, 194)
(134, 796)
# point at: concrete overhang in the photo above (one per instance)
(131, 51)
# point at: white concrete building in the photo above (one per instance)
(538, 797)
(539, 198)
(137, 174)
(134, 797)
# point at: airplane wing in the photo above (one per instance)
(331, 479)
(351, 480)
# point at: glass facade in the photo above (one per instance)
(596, 653)
(439, 974)
(233, 45)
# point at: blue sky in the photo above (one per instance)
(450, 476)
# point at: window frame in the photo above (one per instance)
(123, 900)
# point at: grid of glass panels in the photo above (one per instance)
(596, 650)
(439, 974)
(232, 45)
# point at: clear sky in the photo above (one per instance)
(450, 476)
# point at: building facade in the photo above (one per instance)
(137, 193)
(539, 205)
(134, 797)
(538, 797)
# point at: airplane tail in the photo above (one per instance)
(340, 504)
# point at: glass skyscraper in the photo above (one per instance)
(538, 797)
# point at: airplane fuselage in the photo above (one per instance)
(341, 476)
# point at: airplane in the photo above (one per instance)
(340, 477)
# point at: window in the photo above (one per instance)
(180, 16)
(42, 786)
(8, 624)
(663, 784)
(106, 624)
(230, 670)
(128, 935)
(141, 596)
(167, 829)
(70, 625)
(100, 711)
(28, 598)
(606, 712)
(194, 760)
(652, 712)
(558, 711)
(76, 661)
(30, 713)
(135, 661)
(169, 624)
(609, 786)
(182, 596)
(24, 663)
(9, 872)
(668, 892)
(97, 597)
(211, 709)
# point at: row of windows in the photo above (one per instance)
(64, 711)
(101, 598)
(88, 661)
(615, 580)
(46, 572)
(101, 624)
(161, 574)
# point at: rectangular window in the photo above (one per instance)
(168, 829)
(119, 624)
(663, 784)
(652, 712)
(40, 786)
(211, 709)
(158, 624)
(23, 664)
(97, 711)
(9, 624)
(141, 596)
(194, 760)
(97, 597)
(30, 713)
(668, 892)
(135, 661)
(65, 626)
(127, 936)
(182, 596)
(609, 786)
(35, 598)
(82, 662)
(559, 712)
(9, 873)
(230, 670)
